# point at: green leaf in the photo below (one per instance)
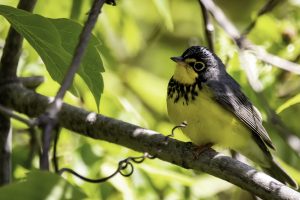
(41, 185)
(55, 41)
(292, 101)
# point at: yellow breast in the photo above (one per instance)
(208, 121)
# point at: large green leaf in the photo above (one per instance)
(55, 41)
(41, 185)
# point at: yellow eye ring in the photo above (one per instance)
(198, 66)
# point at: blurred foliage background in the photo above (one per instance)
(137, 39)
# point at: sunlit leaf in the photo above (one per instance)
(292, 101)
(55, 41)
(165, 174)
(41, 185)
(210, 186)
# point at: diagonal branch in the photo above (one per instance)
(8, 113)
(139, 139)
(79, 51)
(269, 6)
(48, 121)
(277, 61)
(242, 43)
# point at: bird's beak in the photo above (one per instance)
(177, 59)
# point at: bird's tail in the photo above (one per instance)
(276, 171)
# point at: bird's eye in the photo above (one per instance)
(199, 66)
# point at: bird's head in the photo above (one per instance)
(196, 62)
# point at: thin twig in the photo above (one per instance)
(268, 7)
(55, 159)
(34, 146)
(55, 106)
(9, 113)
(47, 126)
(209, 28)
(123, 165)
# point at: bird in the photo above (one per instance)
(217, 112)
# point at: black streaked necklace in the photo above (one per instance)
(187, 92)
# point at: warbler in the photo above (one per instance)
(216, 110)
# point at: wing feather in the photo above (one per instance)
(229, 95)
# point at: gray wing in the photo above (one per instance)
(229, 95)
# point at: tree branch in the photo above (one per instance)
(209, 28)
(276, 61)
(220, 17)
(5, 154)
(13, 44)
(8, 113)
(8, 72)
(269, 6)
(139, 139)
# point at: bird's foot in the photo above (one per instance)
(200, 149)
